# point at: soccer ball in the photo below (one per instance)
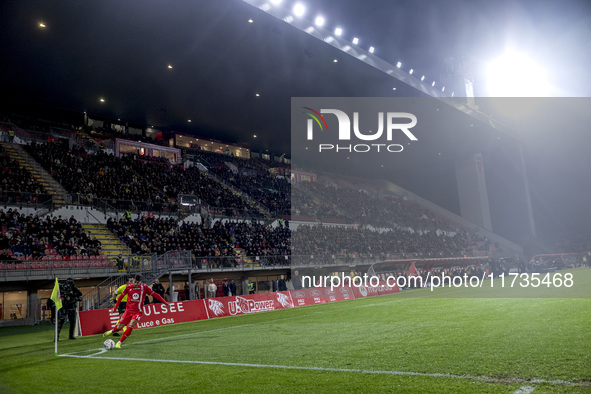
(109, 344)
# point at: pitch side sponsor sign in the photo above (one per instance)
(251, 303)
(101, 320)
(321, 295)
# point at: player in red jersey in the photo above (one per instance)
(136, 294)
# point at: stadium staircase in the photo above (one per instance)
(245, 259)
(110, 244)
(51, 186)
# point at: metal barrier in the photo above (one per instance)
(25, 199)
(42, 269)
(114, 205)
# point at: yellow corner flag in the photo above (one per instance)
(56, 296)
(57, 300)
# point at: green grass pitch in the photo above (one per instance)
(452, 340)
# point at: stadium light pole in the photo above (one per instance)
(530, 212)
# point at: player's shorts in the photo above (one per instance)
(129, 316)
(121, 307)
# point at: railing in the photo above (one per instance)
(107, 210)
(111, 207)
(240, 263)
(25, 199)
(87, 144)
(30, 269)
(101, 295)
(239, 192)
(150, 267)
(115, 205)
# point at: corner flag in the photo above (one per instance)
(57, 300)
(56, 297)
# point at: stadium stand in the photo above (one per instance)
(130, 183)
(16, 183)
(34, 238)
(158, 235)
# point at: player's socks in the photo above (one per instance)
(126, 334)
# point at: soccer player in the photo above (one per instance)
(121, 308)
(136, 293)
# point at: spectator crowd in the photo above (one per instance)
(33, 237)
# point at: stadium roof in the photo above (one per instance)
(232, 68)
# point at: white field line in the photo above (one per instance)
(524, 390)
(102, 350)
(485, 379)
(238, 326)
(400, 373)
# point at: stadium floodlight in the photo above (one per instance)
(355, 40)
(411, 71)
(42, 25)
(338, 31)
(398, 65)
(443, 89)
(319, 21)
(453, 94)
(371, 49)
(422, 78)
(514, 74)
(433, 84)
(299, 9)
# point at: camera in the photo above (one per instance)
(69, 293)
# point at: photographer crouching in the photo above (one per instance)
(70, 295)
